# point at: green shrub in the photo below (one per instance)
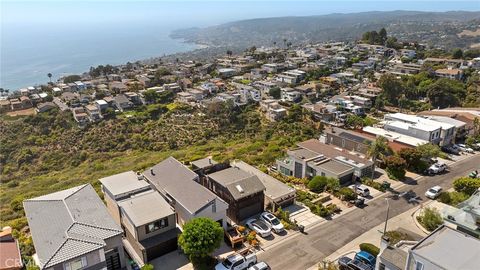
(452, 198)
(317, 184)
(466, 185)
(395, 167)
(147, 266)
(369, 182)
(347, 194)
(370, 248)
(430, 218)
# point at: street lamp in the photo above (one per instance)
(386, 219)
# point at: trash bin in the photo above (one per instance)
(386, 185)
(301, 228)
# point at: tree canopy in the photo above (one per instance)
(200, 237)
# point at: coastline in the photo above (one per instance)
(197, 52)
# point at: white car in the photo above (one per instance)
(437, 168)
(260, 227)
(273, 221)
(465, 148)
(260, 266)
(433, 192)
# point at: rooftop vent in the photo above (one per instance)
(139, 176)
(239, 188)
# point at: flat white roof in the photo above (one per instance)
(420, 120)
(406, 126)
(408, 140)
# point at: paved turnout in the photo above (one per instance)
(301, 251)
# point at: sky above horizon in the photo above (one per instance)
(202, 13)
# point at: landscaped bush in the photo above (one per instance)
(317, 184)
(466, 185)
(452, 198)
(304, 196)
(370, 248)
(369, 182)
(397, 236)
(413, 159)
(395, 167)
(430, 218)
(346, 194)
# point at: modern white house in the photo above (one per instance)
(419, 127)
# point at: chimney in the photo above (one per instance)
(384, 243)
(151, 171)
(139, 176)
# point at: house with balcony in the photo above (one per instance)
(420, 127)
(72, 229)
(241, 190)
(181, 188)
(313, 157)
(148, 232)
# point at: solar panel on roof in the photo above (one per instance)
(353, 137)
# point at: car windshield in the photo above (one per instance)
(275, 221)
(261, 225)
(227, 263)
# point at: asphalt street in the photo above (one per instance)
(301, 251)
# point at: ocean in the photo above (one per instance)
(68, 37)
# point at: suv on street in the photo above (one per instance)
(437, 168)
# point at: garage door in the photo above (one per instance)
(251, 210)
(162, 249)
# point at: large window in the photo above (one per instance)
(418, 265)
(76, 264)
(156, 225)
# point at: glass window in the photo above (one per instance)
(76, 264)
(156, 225)
(418, 266)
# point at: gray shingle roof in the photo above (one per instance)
(172, 177)
(274, 189)
(238, 182)
(68, 224)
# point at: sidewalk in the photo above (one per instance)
(404, 221)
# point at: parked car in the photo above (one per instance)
(433, 192)
(273, 221)
(366, 258)
(346, 263)
(260, 266)
(465, 148)
(451, 150)
(260, 227)
(361, 190)
(237, 261)
(437, 168)
(474, 174)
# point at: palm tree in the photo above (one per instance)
(378, 149)
(50, 76)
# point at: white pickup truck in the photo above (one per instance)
(238, 261)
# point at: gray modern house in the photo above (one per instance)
(149, 232)
(72, 230)
(181, 189)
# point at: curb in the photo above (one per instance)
(416, 213)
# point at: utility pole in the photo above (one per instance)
(386, 219)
